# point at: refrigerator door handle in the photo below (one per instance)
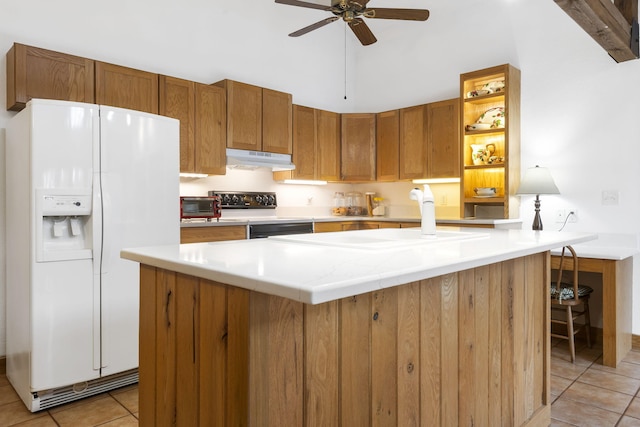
(97, 246)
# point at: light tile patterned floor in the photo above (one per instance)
(583, 394)
(589, 394)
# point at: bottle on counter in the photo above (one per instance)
(378, 206)
(369, 196)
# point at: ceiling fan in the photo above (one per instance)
(351, 11)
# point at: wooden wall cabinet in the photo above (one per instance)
(443, 139)
(501, 167)
(124, 87)
(258, 119)
(304, 145)
(316, 145)
(202, 111)
(39, 73)
(388, 145)
(358, 162)
(277, 119)
(244, 115)
(328, 145)
(413, 154)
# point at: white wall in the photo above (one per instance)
(579, 108)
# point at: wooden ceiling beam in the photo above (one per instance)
(628, 8)
(608, 24)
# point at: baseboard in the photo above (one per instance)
(3, 365)
(635, 342)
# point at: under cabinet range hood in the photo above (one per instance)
(247, 159)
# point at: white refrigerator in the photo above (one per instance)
(82, 182)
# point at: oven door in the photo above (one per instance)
(261, 231)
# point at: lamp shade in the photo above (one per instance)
(537, 180)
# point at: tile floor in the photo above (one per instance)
(583, 394)
(589, 394)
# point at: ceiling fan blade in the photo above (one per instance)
(304, 4)
(405, 14)
(312, 27)
(362, 32)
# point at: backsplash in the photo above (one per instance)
(316, 201)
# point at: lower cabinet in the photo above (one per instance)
(212, 234)
(323, 227)
(466, 348)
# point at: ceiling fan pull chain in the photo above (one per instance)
(345, 61)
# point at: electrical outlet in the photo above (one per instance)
(563, 215)
(444, 200)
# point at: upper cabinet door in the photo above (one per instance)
(177, 101)
(443, 139)
(388, 145)
(276, 121)
(328, 145)
(202, 112)
(413, 158)
(124, 87)
(244, 115)
(358, 147)
(211, 129)
(39, 73)
(304, 142)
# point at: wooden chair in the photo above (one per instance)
(565, 296)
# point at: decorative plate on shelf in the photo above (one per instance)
(494, 117)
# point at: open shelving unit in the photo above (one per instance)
(500, 165)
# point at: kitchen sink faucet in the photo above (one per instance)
(427, 210)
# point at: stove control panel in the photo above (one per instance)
(245, 200)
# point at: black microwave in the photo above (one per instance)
(200, 207)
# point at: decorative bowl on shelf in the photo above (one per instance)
(478, 126)
(478, 92)
(487, 88)
(485, 191)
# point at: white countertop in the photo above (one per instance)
(595, 251)
(314, 273)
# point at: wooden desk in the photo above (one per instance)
(617, 285)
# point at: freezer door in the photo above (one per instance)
(64, 323)
(140, 207)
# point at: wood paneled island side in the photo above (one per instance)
(465, 347)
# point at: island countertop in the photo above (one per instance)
(318, 272)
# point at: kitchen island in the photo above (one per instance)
(371, 327)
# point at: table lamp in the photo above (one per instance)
(537, 181)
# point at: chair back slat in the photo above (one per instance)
(574, 279)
